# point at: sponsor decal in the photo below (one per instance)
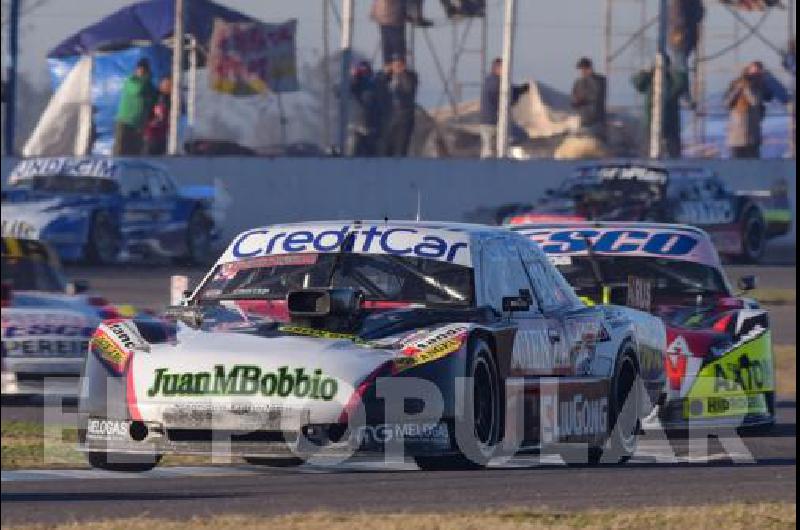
(428, 433)
(725, 406)
(375, 239)
(583, 335)
(17, 228)
(664, 243)
(115, 341)
(229, 270)
(88, 167)
(43, 324)
(44, 334)
(705, 212)
(245, 380)
(237, 415)
(640, 293)
(581, 416)
(107, 429)
(533, 351)
(424, 347)
(747, 367)
(560, 260)
(109, 351)
(644, 174)
(318, 333)
(45, 348)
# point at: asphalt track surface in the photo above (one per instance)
(763, 469)
(760, 470)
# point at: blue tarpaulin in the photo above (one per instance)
(146, 21)
(115, 43)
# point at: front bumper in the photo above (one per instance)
(39, 377)
(310, 441)
(716, 413)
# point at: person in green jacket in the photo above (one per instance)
(676, 87)
(135, 105)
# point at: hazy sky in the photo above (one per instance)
(550, 37)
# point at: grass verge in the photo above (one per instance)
(786, 371)
(773, 296)
(772, 515)
(28, 445)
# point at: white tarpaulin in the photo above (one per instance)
(257, 122)
(545, 112)
(66, 123)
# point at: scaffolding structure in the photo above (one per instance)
(468, 38)
(628, 50)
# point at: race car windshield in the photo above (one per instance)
(380, 277)
(31, 275)
(68, 184)
(671, 280)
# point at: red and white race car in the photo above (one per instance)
(719, 358)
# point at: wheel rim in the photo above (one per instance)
(754, 237)
(484, 408)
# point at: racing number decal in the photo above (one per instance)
(705, 212)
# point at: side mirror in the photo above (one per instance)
(521, 302)
(78, 286)
(747, 283)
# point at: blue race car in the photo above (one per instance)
(105, 210)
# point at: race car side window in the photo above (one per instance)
(550, 288)
(134, 183)
(159, 183)
(503, 273)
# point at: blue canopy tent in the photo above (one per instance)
(146, 21)
(119, 40)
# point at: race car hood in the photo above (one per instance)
(29, 218)
(314, 374)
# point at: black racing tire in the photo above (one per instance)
(766, 427)
(128, 463)
(623, 421)
(754, 236)
(198, 238)
(286, 461)
(478, 438)
(103, 243)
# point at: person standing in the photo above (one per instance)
(490, 107)
(676, 86)
(746, 100)
(402, 92)
(589, 99)
(391, 17)
(157, 127)
(365, 121)
(135, 105)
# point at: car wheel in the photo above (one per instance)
(753, 236)
(289, 461)
(130, 463)
(479, 433)
(766, 427)
(198, 238)
(103, 245)
(623, 414)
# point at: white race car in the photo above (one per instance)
(46, 321)
(331, 338)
